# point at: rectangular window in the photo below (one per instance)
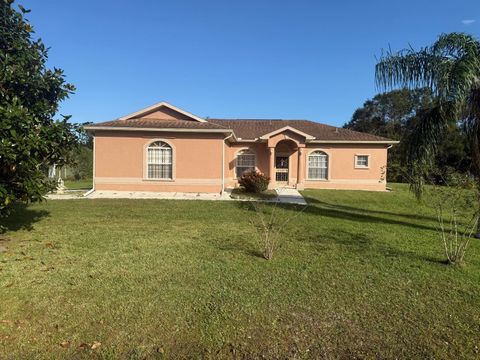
(245, 163)
(159, 163)
(361, 161)
(317, 167)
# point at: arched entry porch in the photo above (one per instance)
(286, 162)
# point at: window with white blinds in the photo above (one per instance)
(361, 161)
(159, 161)
(245, 162)
(317, 166)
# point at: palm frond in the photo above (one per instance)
(432, 122)
(472, 126)
(450, 67)
(462, 52)
(423, 141)
(408, 69)
(455, 45)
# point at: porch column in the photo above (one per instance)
(300, 169)
(271, 167)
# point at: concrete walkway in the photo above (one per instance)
(290, 196)
(285, 196)
(156, 195)
(140, 195)
(67, 195)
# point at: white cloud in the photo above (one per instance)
(468, 21)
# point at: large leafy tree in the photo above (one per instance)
(388, 114)
(450, 68)
(30, 93)
(393, 115)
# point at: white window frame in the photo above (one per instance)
(360, 166)
(319, 153)
(164, 145)
(246, 167)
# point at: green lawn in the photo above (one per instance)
(358, 275)
(84, 184)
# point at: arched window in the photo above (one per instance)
(159, 161)
(318, 165)
(245, 162)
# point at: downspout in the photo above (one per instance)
(386, 187)
(223, 164)
(93, 172)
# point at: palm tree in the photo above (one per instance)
(450, 68)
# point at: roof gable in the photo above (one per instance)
(163, 111)
(287, 128)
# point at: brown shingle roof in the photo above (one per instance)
(246, 129)
(158, 124)
(253, 128)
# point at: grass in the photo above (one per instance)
(84, 184)
(358, 275)
(240, 193)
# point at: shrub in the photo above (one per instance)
(254, 181)
(270, 223)
(454, 203)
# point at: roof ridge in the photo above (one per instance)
(275, 120)
(249, 119)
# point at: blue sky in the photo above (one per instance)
(241, 59)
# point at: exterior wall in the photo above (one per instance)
(342, 172)
(120, 161)
(231, 150)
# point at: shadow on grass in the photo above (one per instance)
(240, 245)
(315, 201)
(364, 245)
(357, 241)
(255, 253)
(359, 215)
(23, 218)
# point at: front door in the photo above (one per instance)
(281, 169)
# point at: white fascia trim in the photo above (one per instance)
(305, 135)
(246, 140)
(353, 142)
(159, 105)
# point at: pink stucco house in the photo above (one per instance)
(163, 148)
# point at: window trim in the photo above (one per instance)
(247, 151)
(145, 160)
(307, 167)
(362, 166)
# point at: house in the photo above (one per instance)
(163, 148)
